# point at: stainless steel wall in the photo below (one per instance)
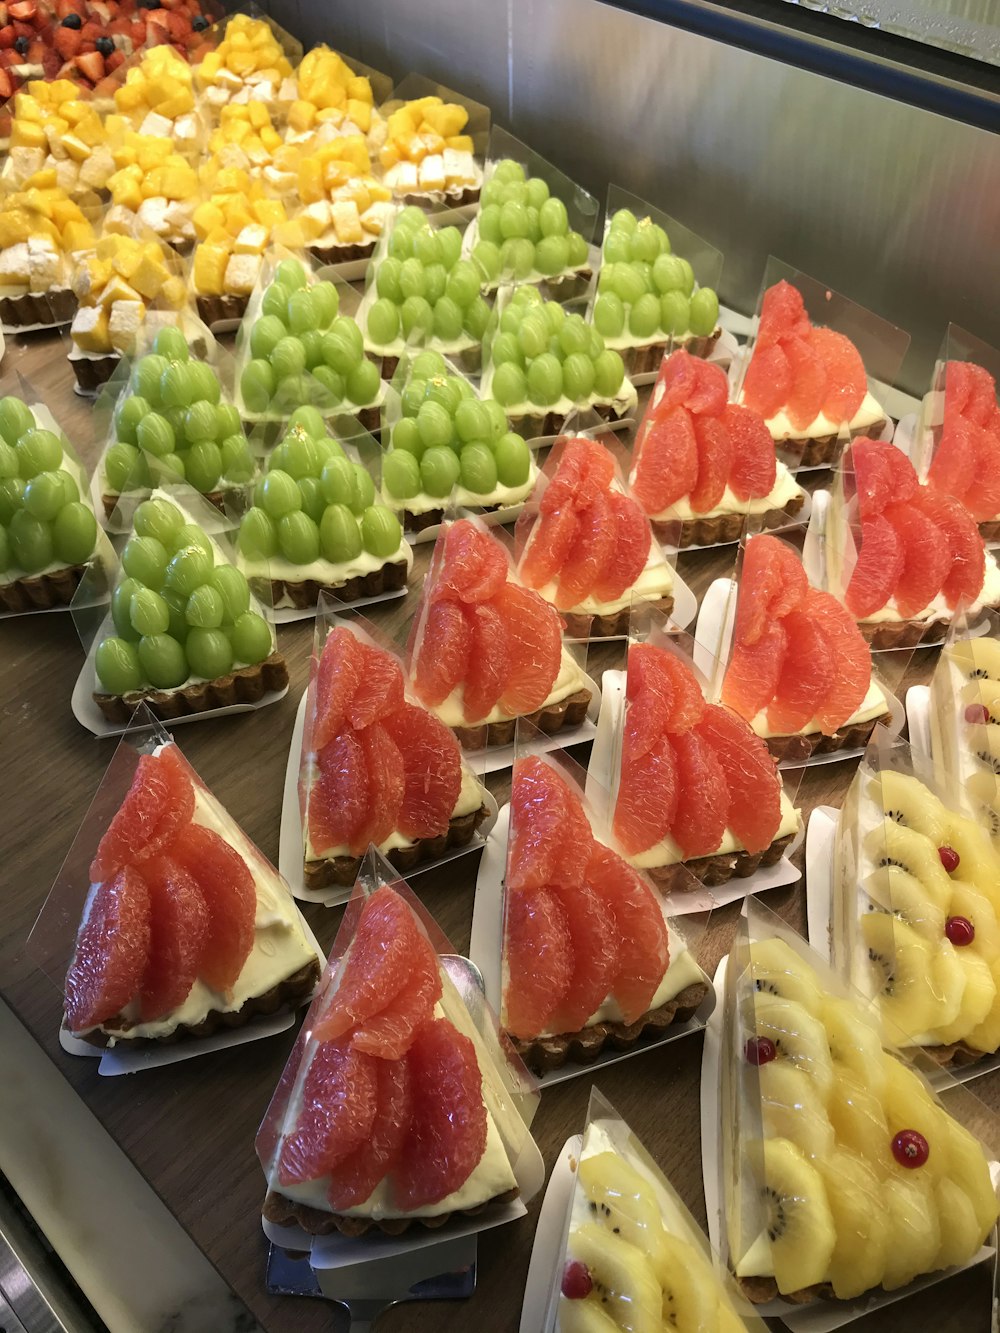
(896, 207)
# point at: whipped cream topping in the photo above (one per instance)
(655, 582)
(667, 853)
(328, 573)
(785, 489)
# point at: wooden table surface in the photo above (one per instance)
(189, 1128)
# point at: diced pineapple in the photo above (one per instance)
(206, 216)
(174, 292)
(347, 222)
(149, 276)
(117, 289)
(89, 329)
(27, 134)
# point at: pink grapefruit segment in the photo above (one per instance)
(751, 775)
(550, 834)
(337, 1114)
(112, 949)
(772, 583)
(926, 558)
(629, 552)
(156, 807)
(355, 1179)
(486, 674)
(337, 680)
(666, 466)
(388, 1034)
(754, 466)
(340, 800)
(647, 796)
(385, 767)
(594, 947)
(592, 549)
(442, 653)
(475, 566)
(715, 459)
(549, 545)
(227, 885)
(967, 553)
(702, 796)
(753, 672)
(878, 568)
(851, 655)
(846, 381)
(432, 771)
(380, 689)
(179, 927)
(538, 948)
(534, 648)
(643, 947)
(807, 672)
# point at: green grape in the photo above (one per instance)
(295, 389)
(266, 333)
(644, 317)
(617, 248)
(513, 221)
(578, 377)
(148, 612)
(203, 466)
(595, 343)
(288, 357)
(401, 474)
(623, 219)
(44, 495)
(329, 449)
(231, 585)
(74, 533)
(204, 609)
(121, 602)
(280, 495)
(447, 320)
(498, 417)
(156, 435)
(177, 387)
(302, 314)
(274, 300)
(312, 345)
(489, 223)
(207, 388)
(424, 366)
(251, 638)
(200, 423)
(127, 417)
(11, 497)
(545, 379)
(517, 258)
(704, 312)
(30, 541)
(326, 301)
(363, 383)
(507, 171)
(538, 192)
(145, 559)
(609, 372)
(338, 481)
(478, 468)
(662, 239)
(339, 535)
(413, 394)
(146, 377)
(291, 274)
(383, 322)
(188, 569)
(381, 532)
(609, 315)
(675, 312)
(15, 419)
(5, 560)
(159, 519)
(387, 280)
(175, 418)
(644, 243)
(427, 247)
(472, 420)
(510, 320)
(477, 318)
(237, 464)
(553, 217)
(513, 460)
(174, 464)
(552, 254)
(258, 539)
(687, 283)
(450, 242)
(486, 256)
(555, 316)
(163, 661)
(176, 604)
(401, 243)
(332, 386)
(507, 347)
(363, 493)
(533, 335)
(416, 316)
(406, 437)
(278, 458)
(8, 460)
(309, 420)
(172, 344)
(668, 274)
(411, 278)
(117, 665)
(628, 283)
(298, 538)
(439, 470)
(191, 535)
(434, 424)
(606, 278)
(444, 389)
(509, 384)
(209, 652)
(121, 467)
(579, 250)
(435, 281)
(463, 283)
(300, 456)
(38, 451)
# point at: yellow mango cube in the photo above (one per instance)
(178, 182)
(269, 212)
(28, 134)
(290, 234)
(359, 89)
(209, 66)
(210, 269)
(118, 290)
(149, 276)
(90, 329)
(174, 292)
(360, 113)
(206, 216)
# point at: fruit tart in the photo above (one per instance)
(377, 768)
(334, 99)
(849, 1175)
(799, 669)
(919, 552)
(41, 229)
(486, 650)
(703, 465)
(251, 64)
(426, 154)
(589, 550)
(392, 1115)
(48, 532)
(807, 382)
(964, 717)
(315, 526)
(154, 189)
(588, 956)
(448, 447)
(187, 929)
(157, 98)
(962, 430)
(185, 636)
(697, 790)
(344, 207)
(55, 129)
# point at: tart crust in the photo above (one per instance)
(216, 498)
(715, 870)
(285, 1212)
(853, 737)
(245, 685)
(224, 309)
(723, 528)
(48, 309)
(568, 712)
(342, 254)
(543, 1054)
(611, 626)
(41, 592)
(825, 450)
(885, 634)
(370, 419)
(420, 522)
(646, 360)
(389, 578)
(469, 360)
(533, 424)
(990, 530)
(760, 1290)
(342, 871)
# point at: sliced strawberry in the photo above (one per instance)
(112, 61)
(91, 66)
(67, 42)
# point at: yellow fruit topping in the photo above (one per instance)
(248, 47)
(326, 81)
(115, 284)
(161, 83)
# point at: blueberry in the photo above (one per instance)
(199, 23)
(105, 46)
(21, 46)
(72, 21)
(152, 4)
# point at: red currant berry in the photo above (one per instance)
(910, 1148)
(960, 931)
(760, 1050)
(977, 713)
(576, 1281)
(949, 858)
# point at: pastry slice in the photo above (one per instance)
(588, 956)
(807, 382)
(799, 670)
(590, 551)
(331, 101)
(377, 768)
(697, 790)
(488, 650)
(387, 1116)
(248, 65)
(965, 437)
(919, 553)
(187, 930)
(702, 465)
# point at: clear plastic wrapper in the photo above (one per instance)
(234, 959)
(43, 228)
(610, 1202)
(434, 1033)
(61, 108)
(820, 369)
(842, 1180)
(432, 145)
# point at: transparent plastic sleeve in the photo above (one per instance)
(445, 173)
(962, 704)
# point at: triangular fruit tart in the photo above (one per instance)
(486, 650)
(799, 669)
(590, 551)
(698, 791)
(703, 464)
(186, 635)
(845, 1171)
(966, 459)
(588, 955)
(919, 552)
(965, 721)
(807, 382)
(377, 767)
(919, 885)
(187, 929)
(392, 1112)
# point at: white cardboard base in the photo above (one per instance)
(547, 1248)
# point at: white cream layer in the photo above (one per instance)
(332, 574)
(624, 403)
(938, 609)
(867, 414)
(655, 581)
(567, 682)
(682, 971)
(785, 488)
(667, 853)
(872, 705)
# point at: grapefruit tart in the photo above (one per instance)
(591, 552)
(390, 1114)
(187, 930)
(799, 670)
(807, 382)
(703, 464)
(965, 436)
(377, 768)
(488, 650)
(698, 790)
(588, 957)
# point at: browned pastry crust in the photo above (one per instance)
(46, 308)
(244, 685)
(715, 870)
(568, 712)
(723, 528)
(221, 309)
(956, 1053)
(611, 626)
(216, 498)
(342, 871)
(342, 254)
(469, 360)
(645, 360)
(543, 1054)
(825, 450)
(441, 198)
(854, 737)
(40, 592)
(291, 993)
(389, 578)
(420, 522)
(990, 530)
(533, 424)
(93, 371)
(884, 634)
(760, 1290)
(285, 1212)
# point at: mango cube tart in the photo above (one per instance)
(424, 151)
(248, 67)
